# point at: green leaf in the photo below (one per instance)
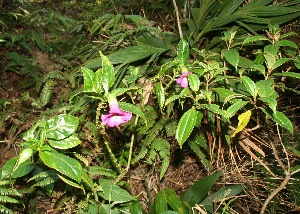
(280, 62)
(119, 91)
(232, 110)
(232, 56)
(9, 169)
(62, 163)
(90, 81)
(221, 195)
(288, 74)
(61, 126)
(265, 88)
(194, 82)
(287, 43)
(107, 73)
(160, 93)
(106, 209)
(23, 169)
(243, 121)
(254, 39)
(183, 93)
(186, 126)
(272, 102)
(160, 202)
(132, 108)
(71, 183)
(200, 189)
(270, 61)
(280, 119)
(112, 192)
(66, 143)
(183, 52)
(227, 94)
(250, 85)
(173, 200)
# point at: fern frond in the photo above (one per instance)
(4, 182)
(45, 95)
(12, 192)
(163, 148)
(43, 175)
(7, 199)
(199, 142)
(152, 134)
(5, 210)
(45, 182)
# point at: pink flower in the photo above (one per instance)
(116, 115)
(182, 80)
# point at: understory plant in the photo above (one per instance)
(136, 105)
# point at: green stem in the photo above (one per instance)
(121, 176)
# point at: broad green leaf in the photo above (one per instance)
(126, 55)
(183, 52)
(221, 195)
(173, 200)
(107, 209)
(71, 183)
(287, 74)
(232, 110)
(270, 60)
(186, 126)
(160, 94)
(194, 82)
(243, 121)
(250, 85)
(132, 108)
(62, 163)
(254, 39)
(200, 189)
(31, 133)
(119, 91)
(66, 143)
(23, 169)
(259, 68)
(232, 56)
(286, 43)
(160, 202)
(183, 93)
(265, 88)
(107, 73)
(215, 109)
(113, 192)
(280, 119)
(61, 126)
(24, 155)
(271, 49)
(9, 169)
(135, 207)
(272, 102)
(227, 94)
(89, 80)
(280, 62)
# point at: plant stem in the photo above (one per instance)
(121, 176)
(178, 19)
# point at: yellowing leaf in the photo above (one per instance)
(243, 121)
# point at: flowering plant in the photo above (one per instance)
(182, 80)
(116, 115)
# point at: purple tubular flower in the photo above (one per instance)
(182, 80)
(116, 115)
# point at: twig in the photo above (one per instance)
(178, 19)
(275, 192)
(285, 169)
